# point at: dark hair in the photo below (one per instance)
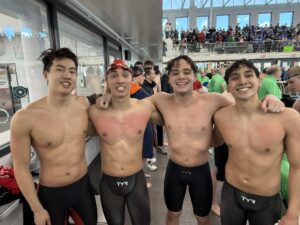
(237, 64)
(51, 54)
(138, 63)
(157, 72)
(148, 63)
(172, 62)
(265, 70)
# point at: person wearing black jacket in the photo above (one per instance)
(149, 82)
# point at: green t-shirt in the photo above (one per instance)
(204, 79)
(269, 86)
(285, 167)
(216, 83)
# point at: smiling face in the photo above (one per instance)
(119, 82)
(61, 77)
(181, 77)
(294, 83)
(243, 83)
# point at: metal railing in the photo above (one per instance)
(241, 47)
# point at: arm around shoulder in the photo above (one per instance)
(222, 100)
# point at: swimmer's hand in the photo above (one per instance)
(272, 104)
(103, 101)
(41, 217)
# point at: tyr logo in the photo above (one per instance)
(125, 183)
(248, 200)
(186, 172)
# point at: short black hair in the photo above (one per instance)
(148, 63)
(172, 62)
(49, 55)
(138, 63)
(237, 64)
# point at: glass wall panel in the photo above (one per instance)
(259, 2)
(186, 4)
(182, 23)
(222, 22)
(243, 20)
(202, 22)
(281, 1)
(217, 3)
(264, 19)
(167, 4)
(176, 4)
(23, 36)
(286, 18)
(88, 46)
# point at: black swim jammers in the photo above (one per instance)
(198, 180)
(77, 197)
(132, 190)
(237, 207)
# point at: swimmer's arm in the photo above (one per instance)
(272, 104)
(91, 129)
(217, 139)
(269, 104)
(292, 143)
(296, 105)
(20, 142)
(222, 100)
(156, 117)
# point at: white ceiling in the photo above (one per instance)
(137, 22)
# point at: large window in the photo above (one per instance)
(176, 4)
(167, 4)
(243, 20)
(261, 2)
(264, 19)
(182, 23)
(217, 3)
(286, 18)
(23, 36)
(88, 46)
(202, 4)
(202, 22)
(222, 22)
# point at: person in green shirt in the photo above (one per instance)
(201, 76)
(294, 84)
(217, 82)
(269, 83)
